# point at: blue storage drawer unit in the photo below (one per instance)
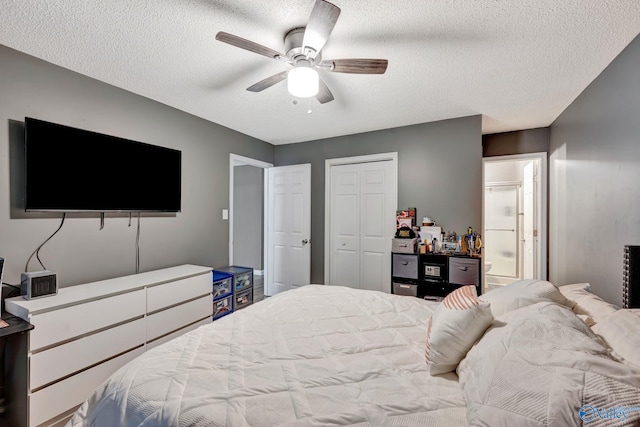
(241, 286)
(222, 293)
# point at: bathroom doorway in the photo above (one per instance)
(514, 218)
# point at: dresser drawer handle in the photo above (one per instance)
(463, 268)
(405, 262)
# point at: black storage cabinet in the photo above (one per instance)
(432, 275)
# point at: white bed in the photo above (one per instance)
(335, 356)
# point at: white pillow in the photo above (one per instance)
(573, 289)
(455, 326)
(522, 293)
(621, 332)
(583, 301)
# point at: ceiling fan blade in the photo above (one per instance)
(247, 45)
(321, 22)
(324, 95)
(356, 66)
(268, 82)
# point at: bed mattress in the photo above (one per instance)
(313, 356)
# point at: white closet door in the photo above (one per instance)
(345, 225)
(362, 224)
(377, 224)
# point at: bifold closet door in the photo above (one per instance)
(362, 224)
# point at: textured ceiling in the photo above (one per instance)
(519, 63)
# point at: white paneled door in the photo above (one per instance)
(363, 203)
(288, 228)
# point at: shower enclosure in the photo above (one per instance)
(502, 231)
(511, 220)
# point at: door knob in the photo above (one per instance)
(305, 241)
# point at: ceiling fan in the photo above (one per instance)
(303, 46)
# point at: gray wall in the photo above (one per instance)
(440, 173)
(594, 179)
(248, 204)
(80, 252)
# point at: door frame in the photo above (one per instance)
(542, 199)
(238, 160)
(328, 163)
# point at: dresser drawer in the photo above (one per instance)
(179, 332)
(60, 361)
(59, 397)
(405, 266)
(464, 271)
(166, 321)
(410, 289)
(168, 294)
(70, 322)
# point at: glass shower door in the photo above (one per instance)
(501, 229)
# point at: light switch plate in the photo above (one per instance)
(225, 213)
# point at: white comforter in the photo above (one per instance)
(315, 356)
(542, 366)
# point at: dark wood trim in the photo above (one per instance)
(517, 142)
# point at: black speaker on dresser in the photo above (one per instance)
(631, 277)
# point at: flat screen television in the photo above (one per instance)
(75, 170)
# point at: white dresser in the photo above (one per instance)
(86, 332)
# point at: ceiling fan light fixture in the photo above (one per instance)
(303, 82)
(303, 50)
